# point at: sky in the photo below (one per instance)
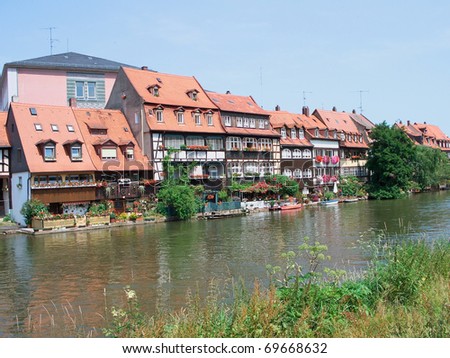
(390, 59)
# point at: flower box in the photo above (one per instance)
(99, 220)
(47, 224)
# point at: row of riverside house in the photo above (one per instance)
(79, 129)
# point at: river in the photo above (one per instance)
(50, 282)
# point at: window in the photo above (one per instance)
(209, 119)
(250, 143)
(109, 153)
(239, 122)
(33, 111)
(85, 90)
(246, 123)
(55, 128)
(191, 140)
(307, 173)
(316, 132)
(287, 172)
(265, 168)
(307, 154)
(137, 118)
(265, 144)
(49, 151)
(283, 132)
(261, 124)
(297, 173)
(342, 136)
(235, 168)
(293, 133)
(180, 117)
(252, 123)
(227, 120)
(326, 133)
(301, 133)
(286, 153)
(129, 153)
(70, 128)
(215, 143)
(233, 143)
(197, 119)
(75, 152)
(335, 134)
(174, 141)
(297, 154)
(159, 116)
(38, 126)
(250, 167)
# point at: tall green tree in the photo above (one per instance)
(431, 167)
(391, 162)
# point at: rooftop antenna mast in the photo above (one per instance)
(52, 40)
(304, 98)
(360, 100)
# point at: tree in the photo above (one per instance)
(431, 167)
(179, 201)
(391, 162)
(33, 208)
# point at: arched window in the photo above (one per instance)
(307, 173)
(287, 172)
(233, 143)
(297, 154)
(286, 154)
(298, 173)
(307, 154)
(265, 168)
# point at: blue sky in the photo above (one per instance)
(396, 52)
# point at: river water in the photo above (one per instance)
(49, 283)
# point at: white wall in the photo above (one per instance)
(19, 195)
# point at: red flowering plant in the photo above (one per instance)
(326, 178)
(326, 159)
(319, 159)
(334, 159)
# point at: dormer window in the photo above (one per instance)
(316, 132)
(193, 94)
(239, 122)
(261, 124)
(50, 151)
(75, 152)
(301, 133)
(154, 90)
(227, 121)
(197, 118)
(342, 136)
(209, 119)
(55, 128)
(109, 153)
(129, 153)
(246, 123)
(180, 116)
(326, 133)
(293, 133)
(335, 134)
(252, 123)
(283, 132)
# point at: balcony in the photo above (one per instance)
(123, 191)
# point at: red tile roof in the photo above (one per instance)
(252, 132)
(170, 122)
(234, 103)
(4, 140)
(340, 121)
(279, 119)
(431, 130)
(173, 89)
(118, 133)
(46, 116)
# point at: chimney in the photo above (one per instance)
(305, 111)
(424, 122)
(228, 92)
(277, 108)
(144, 68)
(334, 109)
(408, 123)
(354, 111)
(73, 102)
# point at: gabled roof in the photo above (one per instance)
(173, 89)
(362, 120)
(280, 119)
(118, 133)
(71, 61)
(233, 103)
(32, 138)
(4, 140)
(340, 121)
(409, 129)
(431, 130)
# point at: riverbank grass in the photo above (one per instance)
(405, 293)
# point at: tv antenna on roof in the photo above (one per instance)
(304, 97)
(360, 100)
(52, 40)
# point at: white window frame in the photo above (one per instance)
(287, 172)
(293, 133)
(252, 123)
(180, 117)
(209, 119)
(108, 153)
(233, 142)
(239, 122)
(265, 144)
(286, 154)
(159, 115)
(197, 119)
(76, 147)
(52, 148)
(297, 173)
(301, 133)
(261, 124)
(307, 154)
(227, 121)
(297, 154)
(283, 132)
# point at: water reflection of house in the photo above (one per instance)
(4, 166)
(171, 115)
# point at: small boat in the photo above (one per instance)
(329, 202)
(291, 207)
(351, 200)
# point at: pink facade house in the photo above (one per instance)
(56, 79)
